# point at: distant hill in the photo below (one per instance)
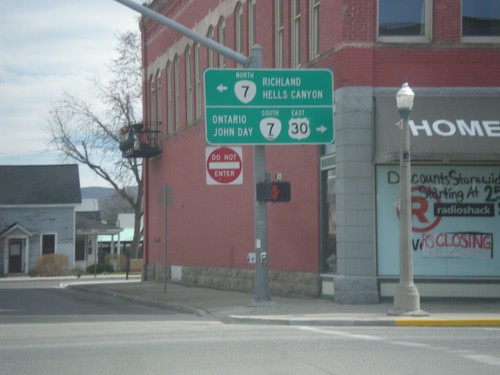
(110, 203)
(97, 192)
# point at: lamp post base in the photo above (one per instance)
(407, 301)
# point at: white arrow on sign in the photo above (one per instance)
(321, 129)
(221, 88)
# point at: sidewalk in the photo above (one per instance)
(236, 307)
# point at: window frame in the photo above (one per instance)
(426, 38)
(295, 32)
(177, 94)
(189, 84)
(170, 99)
(221, 36)
(475, 38)
(157, 124)
(197, 81)
(314, 32)
(279, 34)
(252, 24)
(80, 250)
(210, 51)
(54, 236)
(238, 28)
(152, 101)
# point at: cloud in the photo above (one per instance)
(48, 47)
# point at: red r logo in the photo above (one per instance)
(425, 220)
(420, 210)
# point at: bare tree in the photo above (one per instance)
(90, 136)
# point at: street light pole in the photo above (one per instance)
(406, 296)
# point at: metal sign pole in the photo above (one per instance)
(164, 202)
(260, 211)
(260, 208)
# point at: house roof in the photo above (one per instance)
(16, 229)
(39, 184)
(89, 222)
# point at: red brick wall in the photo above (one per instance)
(359, 60)
(431, 67)
(213, 225)
(358, 19)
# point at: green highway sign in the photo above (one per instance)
(269, 106)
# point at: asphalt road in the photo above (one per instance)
(44, 301)
(48, 330)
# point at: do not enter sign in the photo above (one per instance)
(224, 165)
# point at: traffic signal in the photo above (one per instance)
(282, 192)
(276, 191)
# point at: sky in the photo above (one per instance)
(48, 47)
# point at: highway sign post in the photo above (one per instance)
(269, 106)
(254, 61)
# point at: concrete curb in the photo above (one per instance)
(303, 320)
(161, 305)
(367, 322)
(331, 322)
(448, 322)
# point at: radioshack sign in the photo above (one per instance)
(441, 128)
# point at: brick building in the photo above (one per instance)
(338, 236)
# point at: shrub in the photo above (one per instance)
(51, 265)
(101, 268)
(117, 261)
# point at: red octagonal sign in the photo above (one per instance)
(224, 165)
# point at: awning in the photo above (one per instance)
(441, 128)
(89, 223)
(127, 235)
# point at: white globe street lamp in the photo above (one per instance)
(406, 296)
(404, 100)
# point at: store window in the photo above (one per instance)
(331, 259)
(404, 21)
(48, 244)
(481, 20)
(328, 215)
(454, 223)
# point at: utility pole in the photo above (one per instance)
(259, 156)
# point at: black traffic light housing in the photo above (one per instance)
(276, 191)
